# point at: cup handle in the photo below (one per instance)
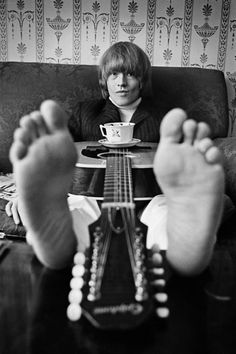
(103, 130)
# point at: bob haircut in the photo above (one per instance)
(128, 58)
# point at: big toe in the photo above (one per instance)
(54, 116)
(172, 125)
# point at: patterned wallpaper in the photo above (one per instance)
(198, 33)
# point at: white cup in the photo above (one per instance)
(118, 132)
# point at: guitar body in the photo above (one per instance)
(117, 292)
(90, 170)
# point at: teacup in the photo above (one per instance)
(118, 132)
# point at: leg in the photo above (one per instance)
(43, 157)
(189, 170)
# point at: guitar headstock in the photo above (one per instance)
(117, 280)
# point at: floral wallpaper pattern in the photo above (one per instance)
(197, 33)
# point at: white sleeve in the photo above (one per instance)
(84, 211)
(155, 217)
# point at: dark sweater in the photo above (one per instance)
(84, 126)
(84, 123)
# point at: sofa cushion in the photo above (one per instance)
(202, 93)
(23, 86)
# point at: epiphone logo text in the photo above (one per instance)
(134, 309)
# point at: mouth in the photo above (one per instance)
(122, 92)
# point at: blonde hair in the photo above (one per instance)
(125, 57)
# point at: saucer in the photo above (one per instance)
(107, 143)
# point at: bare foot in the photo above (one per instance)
(43, 157)
(189, 169)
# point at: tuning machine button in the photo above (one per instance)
(79, 258)
(75, 295)
(162, 312)
(78, 270)
(74, 312)
(76, 283)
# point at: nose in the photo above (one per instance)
(121, 80)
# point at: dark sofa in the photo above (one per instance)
(201, 92)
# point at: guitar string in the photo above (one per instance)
(109, 179)
(130, 226)
(105, 225)
(106, 221)
(104, 252)
(121, 178)
(132, 230)
(121, 168)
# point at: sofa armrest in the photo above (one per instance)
(228, 148)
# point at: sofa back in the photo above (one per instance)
(23, 86)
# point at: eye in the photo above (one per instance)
(130, 74)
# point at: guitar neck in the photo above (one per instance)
(118, 189)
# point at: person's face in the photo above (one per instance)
(123, 88)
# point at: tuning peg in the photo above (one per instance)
(74, 312)
(79, 258)
(76, 283)
(78, 270)
(75, 296)
(162, 312)
(157, 271)
(161, 297)
(158, 283)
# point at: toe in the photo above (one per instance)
(204, 144)
(189, 131)
(40, 123)
(30, 127)
(54, 116)
(213, 155)
(171, 126)
(18, 151)
(19, 148)
(203, 131)
(22, 135)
